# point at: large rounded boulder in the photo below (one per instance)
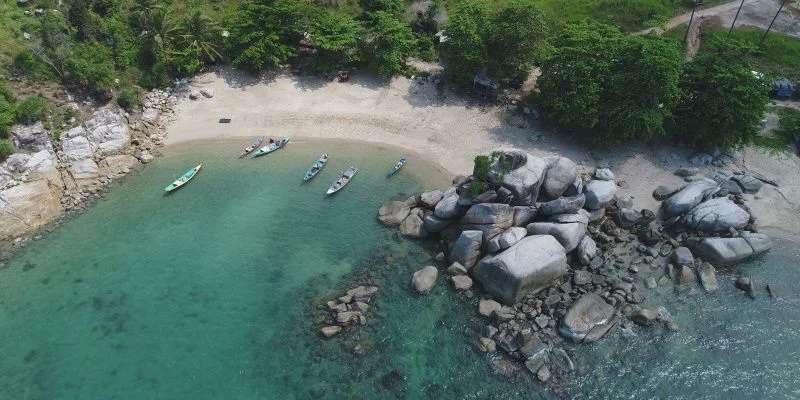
(561, 173)
(688, 197)
(528, 266)
(716, 215)
(393, 213)
(525, 181)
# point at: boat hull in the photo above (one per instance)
(272, 147)
(184, 179)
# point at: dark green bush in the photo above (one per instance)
(6, 148)
(32, 109)
(90, 66)
(476, 187)
(128, 99)
(483, 165)
(8, 111)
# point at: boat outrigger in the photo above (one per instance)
(318, 165)
(249, 149)
(184, 178)
(272, 147)
(343, 180)
(397, 166)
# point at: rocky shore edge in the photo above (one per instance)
(556, 256)
(50, 177)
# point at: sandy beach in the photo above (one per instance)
(447, 129)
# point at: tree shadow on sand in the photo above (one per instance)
(242, 79)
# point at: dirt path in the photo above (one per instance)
(755, 13)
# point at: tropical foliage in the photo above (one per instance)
(609, 85)
(721, 103)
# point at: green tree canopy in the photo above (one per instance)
(464, 48)
(721, 103)
(266, 32)
(612, 86)
(516, 33)
(200, 35)
(393, 7)
(389, 42)
(90, 65)
(336, 40)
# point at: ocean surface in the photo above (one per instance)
(211, 293)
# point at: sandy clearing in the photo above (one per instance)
(447, 129)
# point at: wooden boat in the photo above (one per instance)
(397, 166)
(184, 178)
(318, 165)
(272, 147)
(343, 180)
(252, 147)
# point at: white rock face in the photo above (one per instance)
(76, 149)
(118, 163)
(86, 169)
(28, 206)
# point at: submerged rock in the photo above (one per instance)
(708, 277)
(424, 280)
(329, 331)
(526, 267)
(645, 316)
(487, 307)
(725, 251)
(589, 316)
(393, 213)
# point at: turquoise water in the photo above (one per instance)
(211, 292)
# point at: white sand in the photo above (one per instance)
(447, 129)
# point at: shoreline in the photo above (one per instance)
(448, 130)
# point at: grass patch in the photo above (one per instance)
(780, 138)
(11, 20)
(778, 58)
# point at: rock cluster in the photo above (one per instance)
(47, 177)
(563, 258)
(347, 311)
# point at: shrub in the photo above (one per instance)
(6, 148)
(90, 66)
(476, 187)
(483, 165)
(8, 111)
(32, 109)
(128, 99)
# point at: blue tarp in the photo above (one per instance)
(782, 88)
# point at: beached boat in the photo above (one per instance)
(397, 166)
(318, 165)
(343, 180)
(252, 147)
(184, 178)
(279, 144)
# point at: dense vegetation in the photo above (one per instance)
(505, 42)
(610, 85)
(596, 79)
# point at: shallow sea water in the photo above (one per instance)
(211, 293)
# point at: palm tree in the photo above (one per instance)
(143, 12)
(199, 33)
(162, 34)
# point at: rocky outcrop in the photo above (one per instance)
(526, 267)
(561, 173)
(726, 251)
(716, 215)
(687, 198)
(569, 234)
(31, 137)
(413, 226)
(393, 213)
(525, 181)
(564, 205)
(430, 199)
(466, 249)
(28, 206)
(599, 193)
(506, 239)
(447, 207)
(588, 319)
